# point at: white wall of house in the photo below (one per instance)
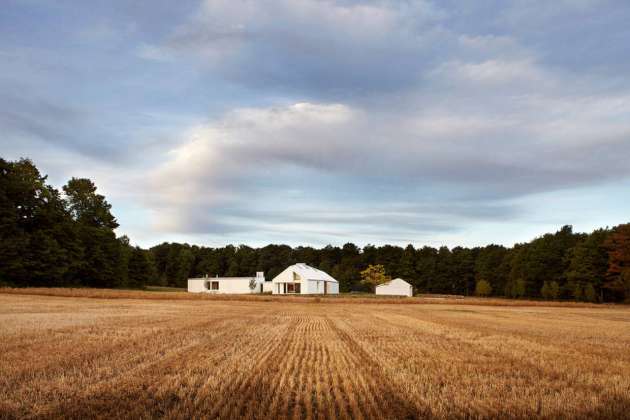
(196, 285)
(226, 285)
(267, 287)
(306, 279)
(396, 287)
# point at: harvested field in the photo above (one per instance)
(132, 357)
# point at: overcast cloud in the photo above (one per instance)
(315, 122)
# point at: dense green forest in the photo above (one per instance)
(50, 238)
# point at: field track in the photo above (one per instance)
(83, 357)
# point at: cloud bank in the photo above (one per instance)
(373, 121)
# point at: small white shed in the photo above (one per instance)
(396, 287)
(306, 280)
(227, 285)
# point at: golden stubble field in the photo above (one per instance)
(77, 357)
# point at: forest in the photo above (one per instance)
(67, 238)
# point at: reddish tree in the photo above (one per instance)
(618, 245)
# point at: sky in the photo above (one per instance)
(454, 122)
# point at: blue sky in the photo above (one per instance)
(314, 122)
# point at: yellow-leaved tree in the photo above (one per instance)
(374, 275)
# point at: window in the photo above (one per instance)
(293, 287)
(214, 285)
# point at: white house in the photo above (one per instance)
(304, 279)
(231, 285)
(396, 287)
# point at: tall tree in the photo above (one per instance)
(37, 243)
(491, 265)
(407, 266)
(104, 258)
(86, 206)
(141, 272)
(618, 274)
(543, 259)
(426, 269)
(588, 263)
(346, 270)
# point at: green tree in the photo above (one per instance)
(86, 206)
(140, 271)
(483, 288)
(38, 245)
(590, 295)
(544, 291)
(407, 265)
(542, 259)
(520, 288)
(426, 269)
(462, 271)
(374, 275)
(442, 281)
(104, 262)
(491, 265)
(588, 263)
(550, 290)
(346, 269)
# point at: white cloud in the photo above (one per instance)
(346, 119)
(494, 72)
(302, 158)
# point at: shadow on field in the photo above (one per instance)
(613, 406)
(257, 401)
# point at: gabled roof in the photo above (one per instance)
(310, 273)
(396, 280)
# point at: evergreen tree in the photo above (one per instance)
(38, 246)
(426, 267)
(141, 272)
(407, 265)
(104, 259)
(588, 263)
(491, 265)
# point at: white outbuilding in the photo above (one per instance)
(396, 287)
(304, 279)
(228, 285)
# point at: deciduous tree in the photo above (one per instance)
(374, 275)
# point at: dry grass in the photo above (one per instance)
(166, 293)
(78, 357)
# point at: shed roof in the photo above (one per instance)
(225, 278)
(310, 273)
(396, 280)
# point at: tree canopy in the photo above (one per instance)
(374, 275)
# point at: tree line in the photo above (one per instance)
(52, 239)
